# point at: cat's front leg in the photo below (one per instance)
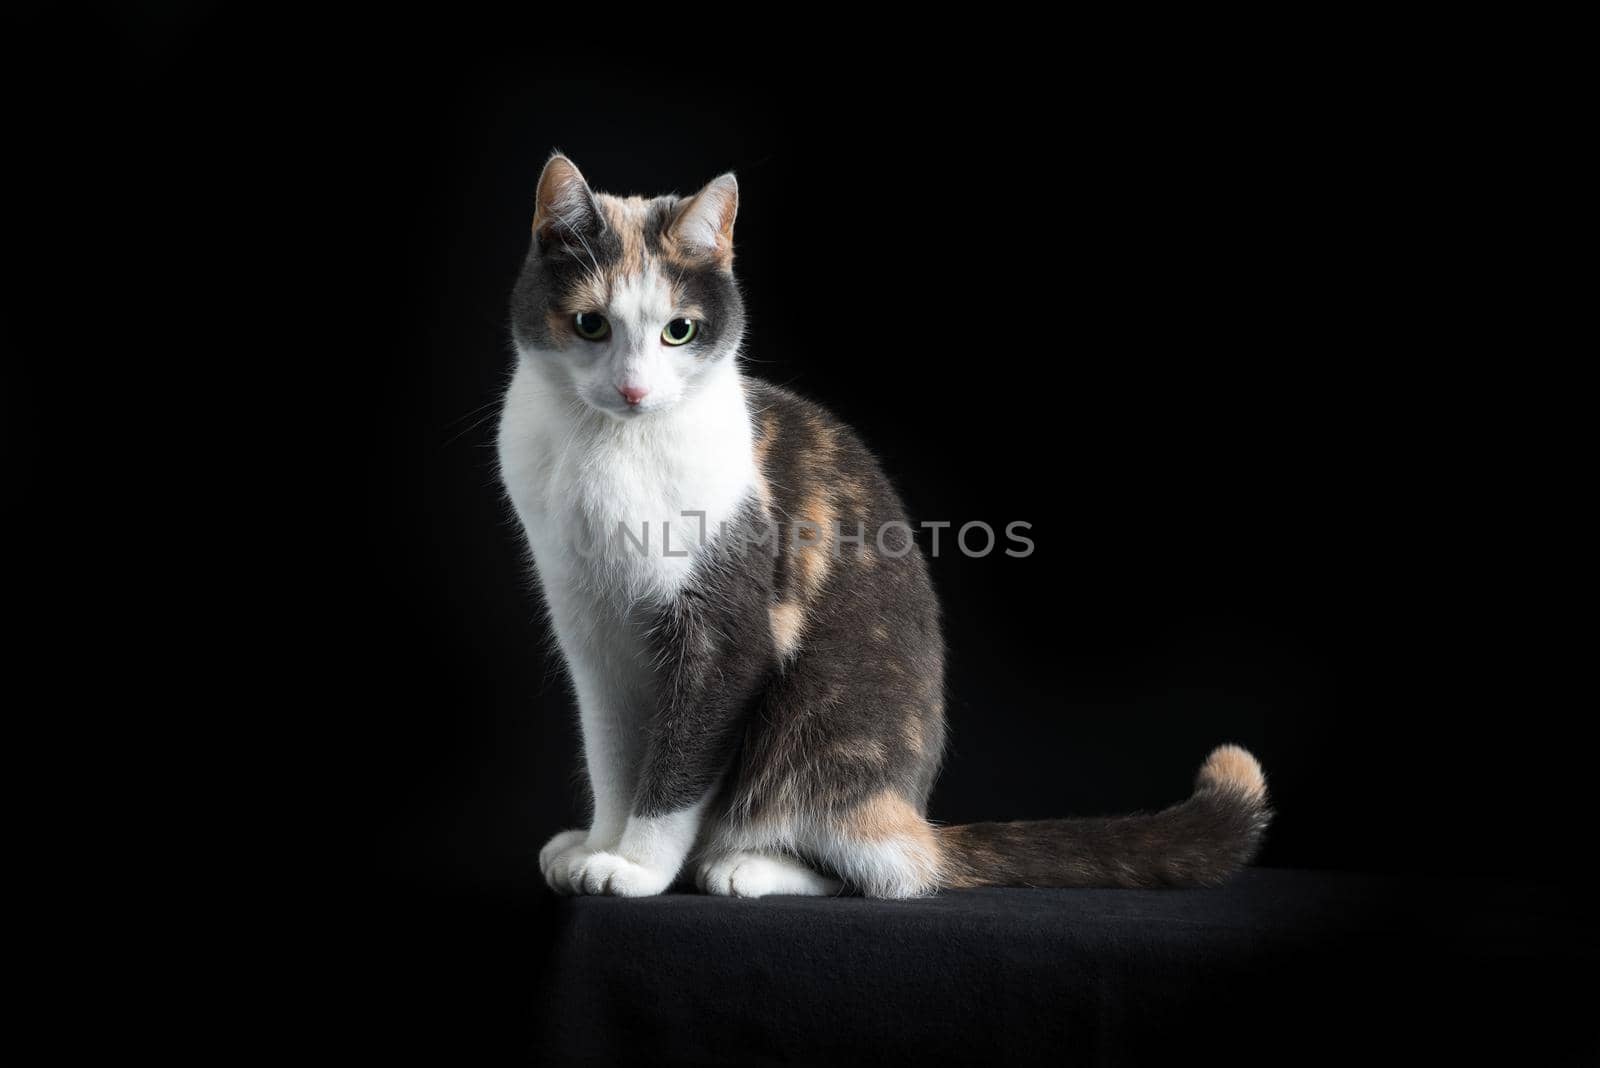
(645, 860)
(674, 787)
(561, 848)
(612, 712)
(719, 649)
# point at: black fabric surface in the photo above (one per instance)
(1280, 966)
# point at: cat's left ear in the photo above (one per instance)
(704, 226)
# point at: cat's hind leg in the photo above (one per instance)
(747, 873)
(881, 847)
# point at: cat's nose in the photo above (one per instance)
(632, 394)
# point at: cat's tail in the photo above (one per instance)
(1198, 842)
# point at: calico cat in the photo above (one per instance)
(750, 629)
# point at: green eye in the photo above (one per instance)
(591, 325)
(680, 332)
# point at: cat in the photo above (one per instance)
(750, 630)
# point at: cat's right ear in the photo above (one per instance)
(565, 208)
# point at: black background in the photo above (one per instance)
(1186, 348)
(1196, 330)
(1220, 335)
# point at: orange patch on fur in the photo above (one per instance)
(1232, 767)
(816, 519)
(766, 429)
(788, 620)
(887, 817)
(626, 216)
(813, 541)
(592, 294)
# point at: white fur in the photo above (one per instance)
(576, 477)
(643, 862)
(889, 868)
(747, 874)
(893, 868)
(578, 463)
(633, 355)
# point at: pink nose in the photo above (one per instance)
(632, 394)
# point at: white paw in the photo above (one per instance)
(608, 873)
(560, 856)
(558, 845)
(757, 875)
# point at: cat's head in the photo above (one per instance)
(631, 303)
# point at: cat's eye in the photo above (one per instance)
(591, 325)
(680, 332)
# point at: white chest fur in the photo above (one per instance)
(609, 504)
